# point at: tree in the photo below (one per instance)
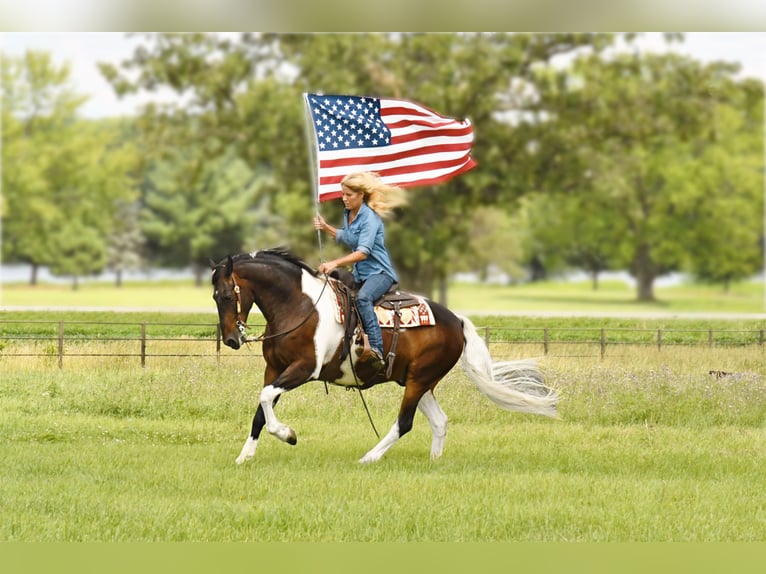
(79, 249)
(62, 175)
(725, 189)
(636, 125)
(495, 242)
(194, 209)
(125, 240)
(246, 95)
(480, 76)
(39, 108)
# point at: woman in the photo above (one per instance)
(367, 201)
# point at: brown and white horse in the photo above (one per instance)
(303, 342)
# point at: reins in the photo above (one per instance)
(241, 325)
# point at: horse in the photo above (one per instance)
(303, 341)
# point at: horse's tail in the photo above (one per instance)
(512, 385)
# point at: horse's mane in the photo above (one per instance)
(283, 254)
(277, 255)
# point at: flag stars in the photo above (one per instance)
(348, 122)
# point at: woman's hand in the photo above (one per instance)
(321, 225)
(327, 267)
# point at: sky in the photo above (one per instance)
(84, 50)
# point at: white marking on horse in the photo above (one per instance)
(248, 451)
(283, 432)
(385, 443)
(329, 333)
(438, 421)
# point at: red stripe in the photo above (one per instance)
(389, 109)
(390, 157)
(399, 170)
(412, 183)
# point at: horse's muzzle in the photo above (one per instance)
(233, 342)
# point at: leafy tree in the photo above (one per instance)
(496, 241)
(125, 240)
(62, 176)
(636, 126)
(79, 249)
(245, 94)
(39, 107)
(461, 75)
(724, 187)
(193, 209)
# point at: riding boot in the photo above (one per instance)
(371, 359)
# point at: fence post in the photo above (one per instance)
(603, 343)
(61, 344)
(545, 341)
(659, 339)
(143, 344)
(486, 336)
(218, 343)
(760, 339)
(710, 338)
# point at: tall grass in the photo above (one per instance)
(649, 447)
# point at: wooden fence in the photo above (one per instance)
(59, 339)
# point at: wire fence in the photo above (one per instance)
(59, 339)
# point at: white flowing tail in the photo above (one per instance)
(512, 385)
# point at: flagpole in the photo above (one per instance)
(312, 164)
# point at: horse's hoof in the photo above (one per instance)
(292, 438)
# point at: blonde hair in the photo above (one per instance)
(381, 197)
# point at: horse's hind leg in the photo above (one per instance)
(438, 421)
(402, 426)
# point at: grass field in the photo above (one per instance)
(746, 297)
(649, 447)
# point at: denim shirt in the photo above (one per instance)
(366, 234)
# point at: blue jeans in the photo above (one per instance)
(373, 288)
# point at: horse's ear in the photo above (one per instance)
(229, 266)
(212, 264)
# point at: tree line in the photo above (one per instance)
(589, 157)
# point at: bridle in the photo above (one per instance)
(242, 325)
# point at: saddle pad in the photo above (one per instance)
(419, 315)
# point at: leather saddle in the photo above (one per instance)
(393, 299)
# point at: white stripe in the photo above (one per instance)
(333, 187)
(396, 148)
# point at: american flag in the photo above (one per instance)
(404, 142)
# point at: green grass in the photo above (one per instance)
(746, 297)
(612, 296)
(649, 448)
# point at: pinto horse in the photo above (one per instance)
(303, 342)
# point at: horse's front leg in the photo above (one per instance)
(275, 385)
(251, 444)
(269, 396)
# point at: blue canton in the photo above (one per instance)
(348, 122)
